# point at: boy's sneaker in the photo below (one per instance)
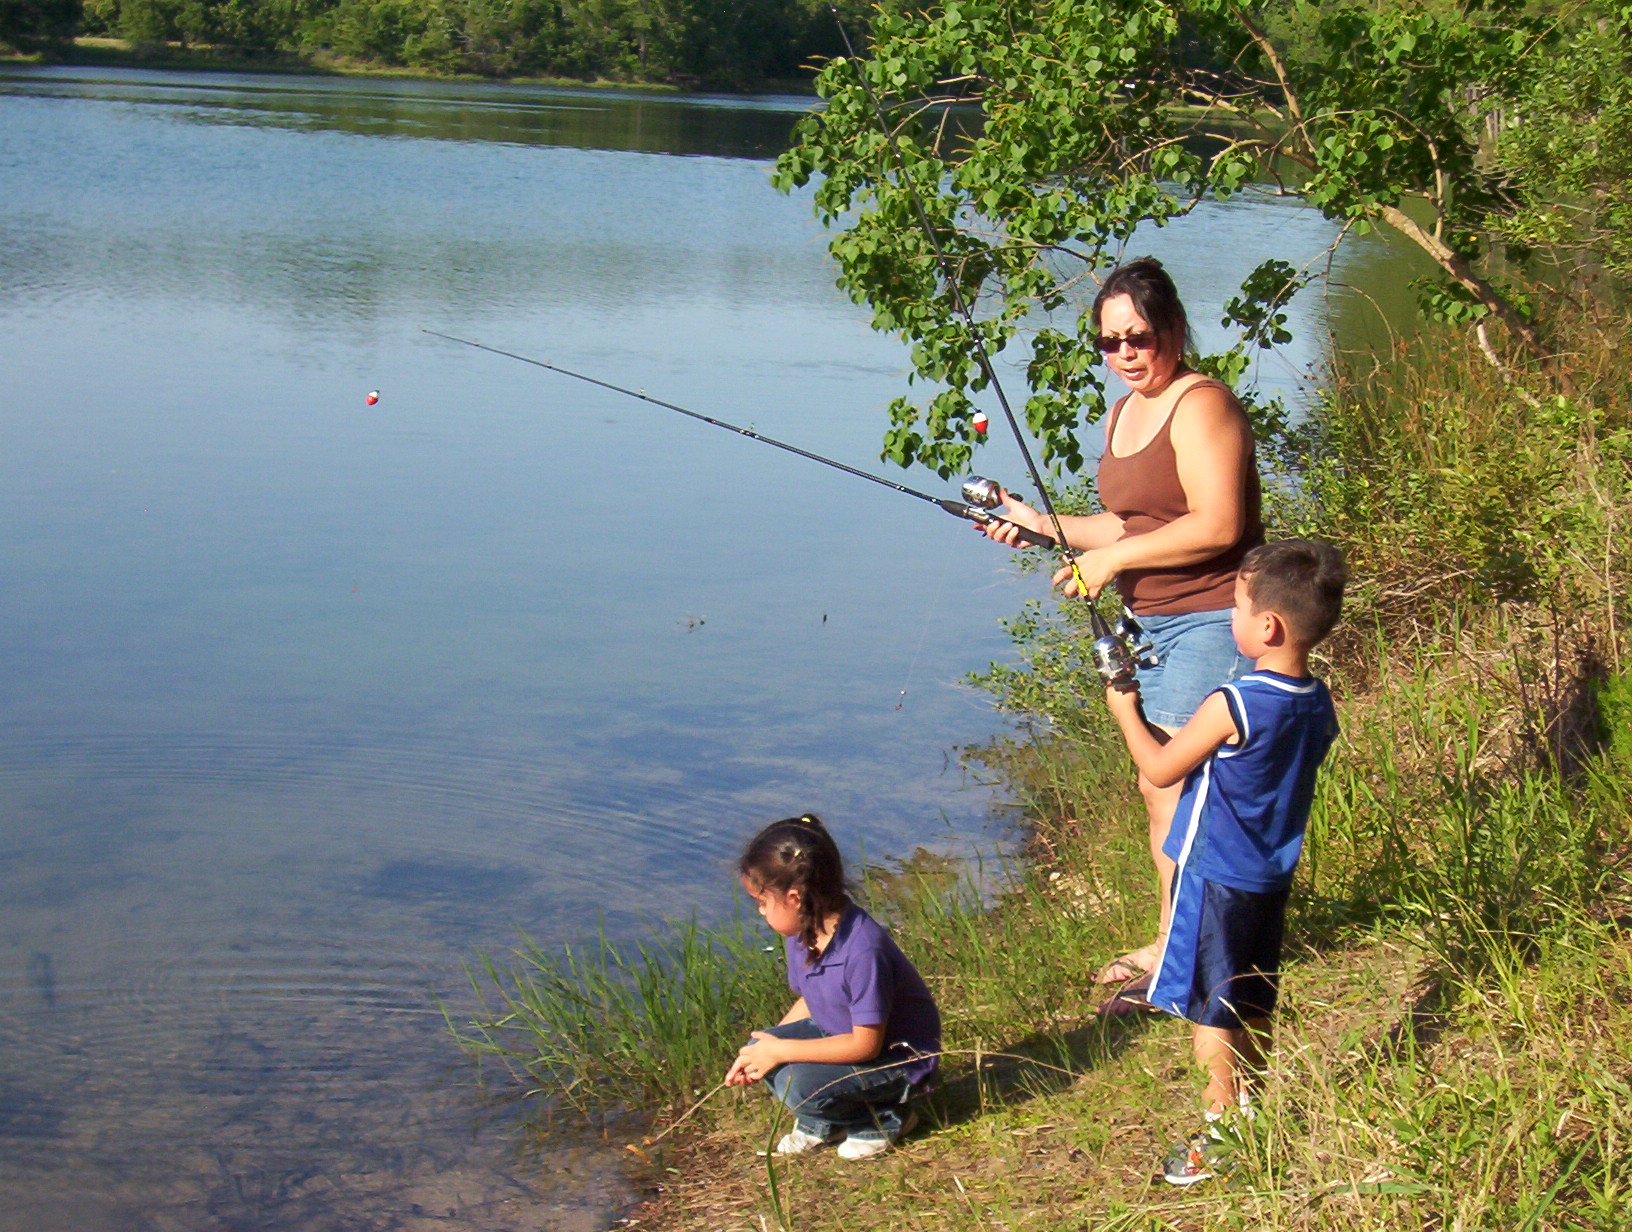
(1200, 1158)
(865, 1146)
(796, 1142)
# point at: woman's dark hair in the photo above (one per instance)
(1154, 297)
(798, 853)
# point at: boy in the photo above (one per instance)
(1247, 759)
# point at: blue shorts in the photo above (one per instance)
(1222, 960)
(1195, 653)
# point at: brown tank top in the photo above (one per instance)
(1143, 490)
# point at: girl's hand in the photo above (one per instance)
(1097, 568)
(754, 1060)
(1015, 513)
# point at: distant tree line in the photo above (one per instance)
(709, 42)
(27, 24)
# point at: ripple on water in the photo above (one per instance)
(222, 980)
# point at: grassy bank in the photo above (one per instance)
(1459, 985)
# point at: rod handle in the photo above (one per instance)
(975, 514)
(1031, 537)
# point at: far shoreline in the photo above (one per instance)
(94, 52)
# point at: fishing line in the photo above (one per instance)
(923, 632)
(971, 509)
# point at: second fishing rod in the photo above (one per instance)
(1114, 654)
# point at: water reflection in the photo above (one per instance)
(505, 114)
(305, 702)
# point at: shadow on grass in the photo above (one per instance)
(1041, 1064)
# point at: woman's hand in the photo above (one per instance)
(1015, 514)
(754, 1059)
(1097, 568)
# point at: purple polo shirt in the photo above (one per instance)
(863, 979)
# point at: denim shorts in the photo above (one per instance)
(1195, 653)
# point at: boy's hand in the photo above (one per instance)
(1123, 698)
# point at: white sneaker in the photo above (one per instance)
(865, 1146)
(797, 1142)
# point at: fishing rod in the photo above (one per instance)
(979, 495)
(1113, 655)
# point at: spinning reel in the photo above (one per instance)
(982, 495)
(1121, 650)
(1118, 651)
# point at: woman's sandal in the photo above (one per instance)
(1119, 971)
(1130, 998)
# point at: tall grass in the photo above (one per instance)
(618, 1026)
(1436, 813)
(1450, 491)
(1514, 1125)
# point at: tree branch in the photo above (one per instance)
(1502, 370)
(1294, 108)
(1456, 265)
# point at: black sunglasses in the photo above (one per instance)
(1144, 340)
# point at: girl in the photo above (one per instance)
(862, 1037)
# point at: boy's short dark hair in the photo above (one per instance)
(1301, 581)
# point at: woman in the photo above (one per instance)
(1180, 488)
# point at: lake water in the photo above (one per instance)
(305, 702)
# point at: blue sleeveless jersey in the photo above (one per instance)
(1242, 815)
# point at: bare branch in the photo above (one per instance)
(1503, 371)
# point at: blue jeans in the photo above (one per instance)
(829, 1099)
(1195, 653)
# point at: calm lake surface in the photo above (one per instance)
(304, 703)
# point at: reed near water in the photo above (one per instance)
(1458, 997)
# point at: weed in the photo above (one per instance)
(612, 1026)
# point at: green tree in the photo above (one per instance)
(1568, 158)
(691, 42)
(1039, 136)
(382, 31)
(27, 24)
(147, 21)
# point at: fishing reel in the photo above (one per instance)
(982, 493)
(980, 496)
(1119, 651)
